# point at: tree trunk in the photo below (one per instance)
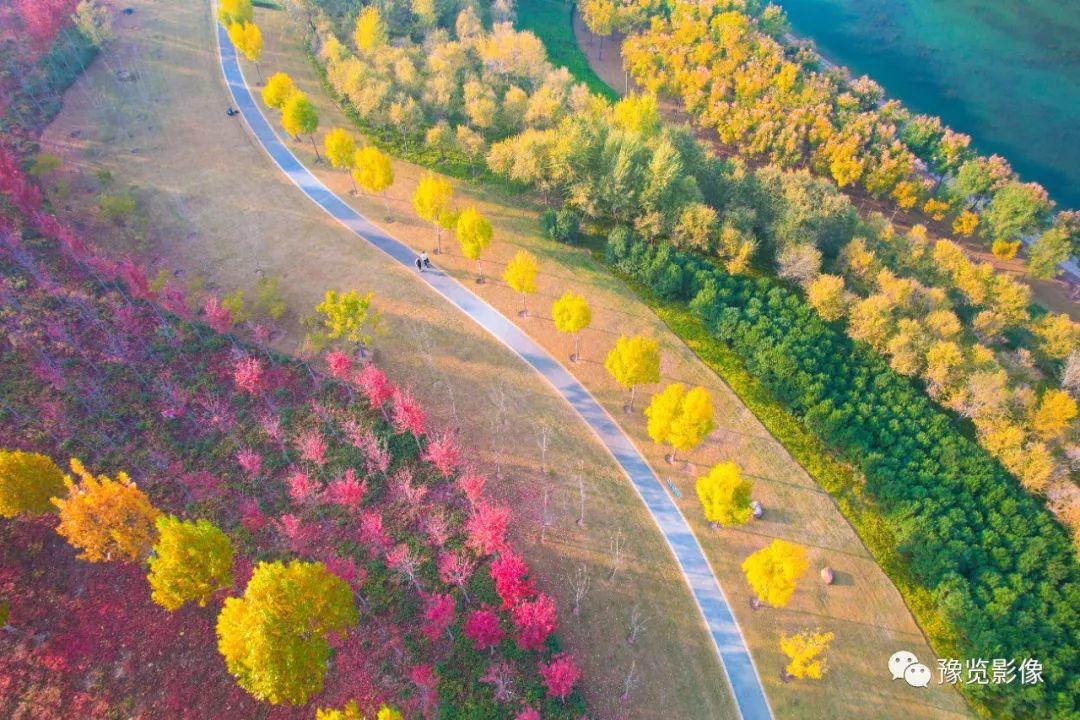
(524, 307)
(479, 270)
(600, 52)
(633, 392)
(318, 158)
(258, 73)
(671, 458)
(577, 347)
(438, 239)
(386, 204)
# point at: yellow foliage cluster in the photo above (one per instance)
(106, 519)
(773, 571)
(191, 561)
(725, 495)
(634, 361)
(28, 482)
(679, 417)
(807, 652)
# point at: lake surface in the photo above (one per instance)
(1005, 72)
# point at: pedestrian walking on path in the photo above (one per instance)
(419, 264)
(425, 260)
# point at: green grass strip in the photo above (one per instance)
(553, 22)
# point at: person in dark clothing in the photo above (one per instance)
(419, 264)
(425, 260)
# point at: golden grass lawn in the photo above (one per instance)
(216, 207)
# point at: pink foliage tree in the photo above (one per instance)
(340, 364)
(249, 375)
(500, 675)
(456, 569)
(535, 620)
(528, 713)
(443, 453)
(251, 516)
(250, 461)
(346, 491)
(346, 569)
(486, 528)
(512, 583)
(302, 487)
(482, 627)
(217, 316)
(560, 675)
(376, 387)
(423, 677)
(439, 613)
(472, 484)
(407, 414)
(312, 447)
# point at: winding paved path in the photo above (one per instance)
(728, 640)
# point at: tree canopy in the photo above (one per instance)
(28, 482)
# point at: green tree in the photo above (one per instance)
(725, 495)
(191, 561)
(1051, 248)
(431, 199)
(571, 314)
(299, 117)
(520, 275)
(634, 361)
(349, 316)
(273, 638)
(28, 482)
(1016, 210)
(474, 233)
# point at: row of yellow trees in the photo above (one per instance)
(273, 637)
(678, 417)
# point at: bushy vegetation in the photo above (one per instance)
(264, 459)
(1001, 571)
(729, 64)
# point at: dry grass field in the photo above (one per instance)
(213, 206)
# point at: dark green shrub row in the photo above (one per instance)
(1001, 570)
(561, 225)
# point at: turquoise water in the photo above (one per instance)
(1006, 72)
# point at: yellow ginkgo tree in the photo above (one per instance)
(374, 173)
(773, 571)
(679, 417)
(349, 316)
(807, 652)
(634, 361)
(474, 234)
(28, 482)
(725, 495)
(520, 275)
(340, 149)
(247, 38)
(278, 89)
(191, 561)
(571, 314)
(104, 518)
(431, 200)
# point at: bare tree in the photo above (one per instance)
(497, 395)
(616, 553)
(637, 624)
(581, 493)
(580, 583)
(546, 519)
(629, 681)
(542, 441)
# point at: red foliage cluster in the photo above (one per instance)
(482, 627)
(90, 366)
(560, 675)
(535, 620)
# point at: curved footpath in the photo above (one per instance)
(728, 640)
